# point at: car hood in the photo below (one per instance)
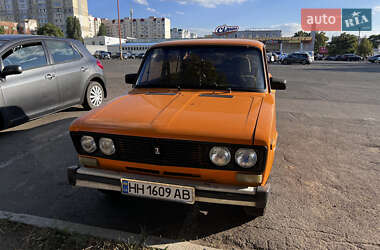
(202, 116)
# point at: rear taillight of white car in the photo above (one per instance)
(100, 65)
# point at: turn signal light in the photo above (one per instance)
(249, 178)
(89, 162)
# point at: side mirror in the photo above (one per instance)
(279, 84)
(131, 79)
(11, 70)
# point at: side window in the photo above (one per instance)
(62, 51)
(28, 56)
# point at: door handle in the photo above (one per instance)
(50, 76)
(83, 69)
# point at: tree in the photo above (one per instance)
(301, 34)
(50, 29)
(375, 40)
(2, 30)
(343, 44)
(102, 30)
(320, 41)
(365, 47)
(73, 28)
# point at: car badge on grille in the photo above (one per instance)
(157, 151)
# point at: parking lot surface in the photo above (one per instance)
(325, 189)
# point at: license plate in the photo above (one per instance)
(158, 191)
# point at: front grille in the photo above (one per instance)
(168, 152)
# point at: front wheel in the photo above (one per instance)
(94, 95)
(304, 62)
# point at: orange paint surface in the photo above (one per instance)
(186, 115)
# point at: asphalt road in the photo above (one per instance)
(325, 181)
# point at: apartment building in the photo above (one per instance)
(94, 25)
(177, 33)
(142, 28)
(47, 11)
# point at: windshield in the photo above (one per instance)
(235, 68)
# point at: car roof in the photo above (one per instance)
(17, 38)
(211, 42)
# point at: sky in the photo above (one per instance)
(202, 16)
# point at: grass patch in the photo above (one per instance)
(15, 235)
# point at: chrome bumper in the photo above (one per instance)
(204, 192)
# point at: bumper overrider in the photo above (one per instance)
(203, 192)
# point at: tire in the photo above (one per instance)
(94, 96)
(304, 62)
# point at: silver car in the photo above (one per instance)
(41, 75)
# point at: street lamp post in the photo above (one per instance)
(118, 19)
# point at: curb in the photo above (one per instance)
(110, 234)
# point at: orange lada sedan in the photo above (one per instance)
(199, 125)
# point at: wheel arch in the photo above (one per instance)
(95, 78)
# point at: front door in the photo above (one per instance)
(34, 92)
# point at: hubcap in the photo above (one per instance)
(96, 96)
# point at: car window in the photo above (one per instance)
(28, 56)
(62, 51)
(203, 68)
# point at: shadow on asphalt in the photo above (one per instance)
(43, 190)
(166, 219)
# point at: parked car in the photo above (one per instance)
(377, 60)
(311, 55)
(125, 55)
(352, 57)
(297, 57)
(282, 57)
(374, 59)
(330, 58)
(270, 57)
(140, 55)
(201, 128)
(319, 57)
(130, 55)
(101, 54)
(339, 58)
(41, 75)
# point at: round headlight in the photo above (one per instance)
(107, 146)
(88, 144)
(246, 157)
(220, 156)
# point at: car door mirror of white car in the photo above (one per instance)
(11, 70)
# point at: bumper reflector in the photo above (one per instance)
(90, 162)
(249, 178)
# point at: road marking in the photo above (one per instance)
(110, 234)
